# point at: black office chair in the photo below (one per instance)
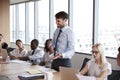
(5, 45)
(115, 75)
(84, 63)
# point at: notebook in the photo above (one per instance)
(68, 73)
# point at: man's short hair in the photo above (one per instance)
(35, 41)
(61, 14)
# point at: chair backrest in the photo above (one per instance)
(115, 75)
(68, 73)
(84, 63)
(9, 49)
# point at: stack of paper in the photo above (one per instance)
(34, 71)
(81, 77)
(17, 61)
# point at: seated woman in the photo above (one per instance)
(49, 53)
(118, 57)
(98, 66)
(3, 52)
(18, 52)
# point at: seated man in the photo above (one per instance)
(35, 54)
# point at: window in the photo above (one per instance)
(60, 5)
(21, 23)
(12, 23)
(109, 26)
(31, 21)
(43, 21)
(37, 20)
(82, 24)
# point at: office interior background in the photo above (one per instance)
(91, 20)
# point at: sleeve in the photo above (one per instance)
(38, 54)
(89, 63)
(43, 58)
(13, 52)
(25, 52)
(70, 45)
(107, 67)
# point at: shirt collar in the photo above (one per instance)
(63, 29)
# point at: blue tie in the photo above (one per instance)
(57, 41)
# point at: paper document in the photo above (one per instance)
(33, 71)
(28, 75)
(17, 61)
(81, 77)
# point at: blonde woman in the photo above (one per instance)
(98, 66)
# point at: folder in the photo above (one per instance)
(31, 77)
(34, 71)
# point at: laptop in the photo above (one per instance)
(68, 73)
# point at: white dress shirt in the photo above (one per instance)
(37, 55)
(65, 43)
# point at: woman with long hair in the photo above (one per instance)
(48, 53)
(98, 66)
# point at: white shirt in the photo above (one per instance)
(4, 54)
(94, 70)
(46, 59)
(16, 52)
(38, 54)
(65, 43)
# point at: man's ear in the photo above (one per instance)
(65, 20)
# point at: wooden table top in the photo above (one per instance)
(13, 70)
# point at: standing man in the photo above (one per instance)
(63, 40)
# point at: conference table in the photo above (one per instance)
(15, 68)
